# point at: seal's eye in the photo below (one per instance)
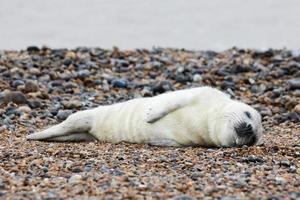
(248, 114)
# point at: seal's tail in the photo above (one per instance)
(75, 128)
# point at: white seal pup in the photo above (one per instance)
(201, 116)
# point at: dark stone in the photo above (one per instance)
(294, 83)
(180, 78)
(294, 117)
(241, 69)
(31, 86)
(83, 73)
(222, 72)
(16, 83)
(162, 87)
(277, 92)
(55, 84)
(35, 104)
(12, 111)
(33, 49)
(16, 97)
(119, 83)
(285, 163)
(227, 84)
(254, 159)
(54, 110)
(63, 114)
(76, 170)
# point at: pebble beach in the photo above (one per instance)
(41, 86)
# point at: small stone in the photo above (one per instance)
(72, 104)
(120, 83)
(34, 71)
(251, 81)
(33, 49)
(297, 109)
(70, 54)
(75, 179)
(294, 117)
(280, 180)
(293, 169)
(294, 83)
(63, 114)
(17, 83)
(162, 87)
(285, 163)
(197, 78)
(35, 104)
(228, 84)
(277, 92)
(255, 159)
(15, 97)
(146, 92)
(31, 86)
(83, 73)
(24, 109)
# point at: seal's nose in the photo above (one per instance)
(244, 130)
(246, 134)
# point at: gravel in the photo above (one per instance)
(40, 87)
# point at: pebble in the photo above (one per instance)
(33, 49)
(83, 73)
(17, 83)
(255, 159)
(70, 55)
(119, 83)
(285, 163)
(35, 104)
(24, 109)
(293, 116)
(293, 169)
(197, 78)
(297, 109)
(75, 179)
(294, 83)
(72, 104)
(34, 71)
(14, 96)
(31, 86)
(63, 114)
(161, 87)
(280, 180)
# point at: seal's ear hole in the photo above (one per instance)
(248, 114)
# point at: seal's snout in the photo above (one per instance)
(245, 134)
(244, 130)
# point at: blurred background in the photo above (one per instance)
(129, 24)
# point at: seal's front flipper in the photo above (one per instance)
(166, 106)
(153, 116)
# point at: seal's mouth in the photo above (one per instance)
(239, 142)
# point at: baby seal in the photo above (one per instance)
(201, 116)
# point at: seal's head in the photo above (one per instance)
(239, 125)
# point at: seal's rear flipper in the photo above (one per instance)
(75, 126)
(75, 137)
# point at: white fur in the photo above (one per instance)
(200, 116)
